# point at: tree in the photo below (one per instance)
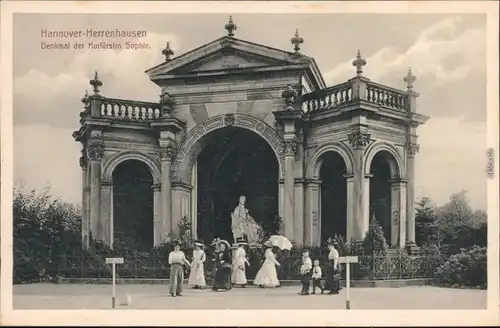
(374, 242)
(426, 222)
(44, 230)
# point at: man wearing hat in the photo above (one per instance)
(197, 274)
(176, 259)
(239, 262)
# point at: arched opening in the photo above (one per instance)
(380, 191)
(333, 196)
(234, 162)
(133, 205)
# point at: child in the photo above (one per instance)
(305, 270)
(316, 277)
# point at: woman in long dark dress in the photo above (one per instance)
(222, 279)
(215, 258)
(332, 268)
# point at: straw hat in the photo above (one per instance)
(215, 241)
(222, 241)
(241, 241)
(199, 243)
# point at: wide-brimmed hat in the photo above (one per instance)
(332, 241)
(199, 243)
(176, 242)
(222, 241)
(241, 241)
(215, 241)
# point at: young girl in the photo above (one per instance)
(240, 260)
(176, 259)
(267, 275)
(197, 274)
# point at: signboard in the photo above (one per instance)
(115, 260)
(348, 259)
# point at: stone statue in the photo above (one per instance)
(242, 224)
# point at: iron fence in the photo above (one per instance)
(154, 265)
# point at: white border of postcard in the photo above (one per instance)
(490, 316)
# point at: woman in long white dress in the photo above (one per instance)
(239, 262)
(267, 275)
(197, 274)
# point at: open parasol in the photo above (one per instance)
(280, 242)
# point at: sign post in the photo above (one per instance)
(114, 261)
(348, 260)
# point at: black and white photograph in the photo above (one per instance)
(248, 157)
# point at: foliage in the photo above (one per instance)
(44, 229)
(183, 233)
(374, 242)
(426, 228)
(467, 268)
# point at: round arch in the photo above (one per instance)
(192, 144)
(395, 161)
(116, 159)
(314, 164)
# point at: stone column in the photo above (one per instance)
(106, 202)
(365, 223)
(157, 215)
(412, 149)
(165, 226)
(350, 206)
(181, 201)
(194, 200)
(398, 213)
(85, 218)
(112, 218)
(312, 213)
(281, 199)
(95, 157)
(299, 211)
(290, 147)
(359, 140)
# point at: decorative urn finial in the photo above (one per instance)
(86, 97)
(96, 83)
(166, 103)
(230, 27)
(359, 62)
(296, 41)
(409, 79)
(167, 52)
(289, 95)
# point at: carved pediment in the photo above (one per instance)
(224, 60)
(226, 53)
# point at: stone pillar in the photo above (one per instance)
(85, 218)
(165, 226)
(350, 206)
(299, 212)
(181, 203)
(112, 218)
(157, 215)
(359, 139)
(365, 223)
(289, 184)
(194, 200)
(106, 202)
(95, 156)
(398, 213)
(281, 199)
(312, 204)
(412, 149)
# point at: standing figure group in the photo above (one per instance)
(227, 273)
(311, 270)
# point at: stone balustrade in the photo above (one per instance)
(122, 109)
(355, 90)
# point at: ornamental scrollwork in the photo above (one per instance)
(167, 153)
(229, 119)
(412, 148)
(359, 139)
(290, 147)
(95, 153)
(83, 161)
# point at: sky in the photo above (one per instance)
(447, 53)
